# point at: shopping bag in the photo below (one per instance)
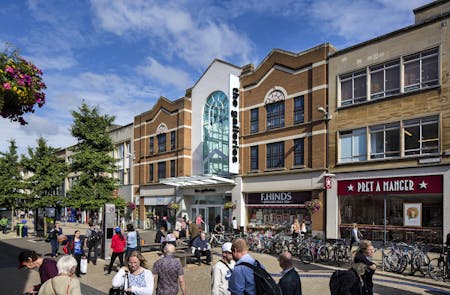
(83, 265)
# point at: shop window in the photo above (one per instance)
(172, 168)
(385, 141)
(152, 145)
(353, 87)
(275, 115)
(385, 79)
(275, 155)
(173, 142)
(254, 158)
(298, 152)
(353, 146)
(150, 173)
(299, 109)
(161, 142)
(254, 118)
(421, 70)
(421, 136)
(161, 170)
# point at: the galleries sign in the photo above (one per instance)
(234, 125)
(278, 198)
(430, 184)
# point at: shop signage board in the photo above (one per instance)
(278, 198)
(234, 125)
(428, 184)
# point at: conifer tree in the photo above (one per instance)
(11, 182)
(47, 174)
(92, 160)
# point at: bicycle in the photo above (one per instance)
(438, 267)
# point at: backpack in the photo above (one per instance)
(264, 283)
(93, 238)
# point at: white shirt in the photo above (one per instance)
(219, 278)
(234, 224)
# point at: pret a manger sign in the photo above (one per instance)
(396, 185)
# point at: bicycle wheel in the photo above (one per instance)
(420, 263)
(306, 256)
(323, 254)
(437, 269)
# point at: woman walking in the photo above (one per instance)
(118, 246)
(133, 240)
(77, 250)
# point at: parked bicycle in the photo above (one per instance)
(438, 268)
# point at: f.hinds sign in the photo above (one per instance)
(278, 198)
(396, 185)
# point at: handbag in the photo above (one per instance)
(83, 264)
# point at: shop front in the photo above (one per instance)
(408, 208)
(276, 211)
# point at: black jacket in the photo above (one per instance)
(346, 282)
(290, 283)
(367, 277)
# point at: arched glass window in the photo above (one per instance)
(216, 134)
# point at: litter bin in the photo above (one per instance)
(19, 231)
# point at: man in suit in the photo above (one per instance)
(289, 283)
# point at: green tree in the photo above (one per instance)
(92, 160)
(47, 174)
(11, 182)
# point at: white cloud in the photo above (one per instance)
(177, 29)
(52, 63)
(166, 75)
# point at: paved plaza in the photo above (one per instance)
(315, 277)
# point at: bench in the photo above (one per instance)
(183, 256)
(150, 247)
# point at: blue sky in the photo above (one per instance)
(123, 55)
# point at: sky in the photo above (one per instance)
(121, 56)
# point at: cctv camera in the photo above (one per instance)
(321, 109)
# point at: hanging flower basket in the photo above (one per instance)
(313, 206)
(21, 86)
(229, 205)
(173, 205)
(131, 205)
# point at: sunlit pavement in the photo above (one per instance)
(315, 277)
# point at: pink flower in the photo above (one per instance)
(7, 86)
(9, 70)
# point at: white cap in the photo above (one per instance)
(226, 247)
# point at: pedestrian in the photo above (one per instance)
(53, 238)
(221, 271)
(199, 221)
(133, 240)
(303, 228)
(118, 246)
(76, 248)
(163, 222)
(202, 248)
(160, 235)
(289, 283)
(64, 282)
(355, 235)
(46, 267)
(348, 282)
(169, 273)
(136, 278)
(93, 238)
(235, 225)
(365, 255)
(4, 224)
(193, 230)
(242, 278)
(295, 228)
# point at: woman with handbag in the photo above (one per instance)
(77, 250)
(118, 246)
(135, 279)
(64, 283)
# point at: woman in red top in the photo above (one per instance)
(118, 245)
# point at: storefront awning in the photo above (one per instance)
(201, 180)
(270, 206)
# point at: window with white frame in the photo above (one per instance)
(421, 136)
(275, 155)
(254, 157)
(385, 79)
(353, 145)
(353, 87)
(275, 115)
(385, 141)
(299, 152)
(421, 69)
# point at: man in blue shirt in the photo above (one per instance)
(202, 248)
(242, 280)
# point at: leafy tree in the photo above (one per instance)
(48, 172)
(11, 184)
(92, 160)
